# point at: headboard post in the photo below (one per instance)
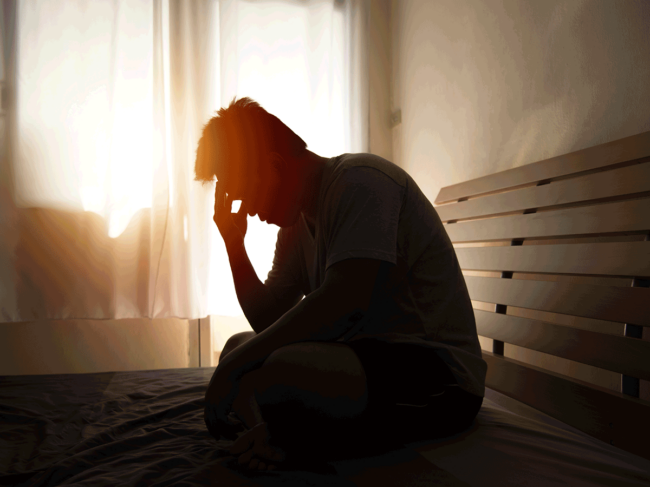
(498, 347)
(631, 385)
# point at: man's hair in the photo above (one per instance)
(240, 138)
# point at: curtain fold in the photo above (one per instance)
(100, 216)
(192, 98)
(7, 135)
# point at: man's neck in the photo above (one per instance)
(314, 167)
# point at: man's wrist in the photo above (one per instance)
(235, 245)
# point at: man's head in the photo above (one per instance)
(251, 153)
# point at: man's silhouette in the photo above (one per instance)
(383, 348)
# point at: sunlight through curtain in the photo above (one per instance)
(101, 218)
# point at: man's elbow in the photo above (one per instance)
(342, 313)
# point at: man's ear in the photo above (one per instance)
(278, 163)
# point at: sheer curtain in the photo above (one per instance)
(100, 215)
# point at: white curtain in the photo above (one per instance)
(100, 215)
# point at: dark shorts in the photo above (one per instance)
(412, 395)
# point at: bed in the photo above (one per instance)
(146, 428)
(583, 217)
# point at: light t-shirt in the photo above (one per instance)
(370, 208)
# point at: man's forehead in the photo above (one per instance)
(242, 186)
(233, 189)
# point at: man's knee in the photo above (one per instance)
(325, 378)
(234, 341)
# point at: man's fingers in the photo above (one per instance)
(221, 199)
(219, 194)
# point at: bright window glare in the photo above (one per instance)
(289, 63)
(85, 108)
(290, 59)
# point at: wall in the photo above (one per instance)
(487, 86)
(379, 68)
(83, 346)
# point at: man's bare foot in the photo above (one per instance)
(253, 448)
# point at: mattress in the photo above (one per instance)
(146, 428)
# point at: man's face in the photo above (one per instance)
(272, 195)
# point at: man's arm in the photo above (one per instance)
(348, 286)
(258, 304)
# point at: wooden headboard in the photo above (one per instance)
(567, 235)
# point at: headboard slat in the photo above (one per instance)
(628, 356)
(596, 157)
(609, 416)
(609, 303)
(622, 216)
(611, 259)
(616, 183)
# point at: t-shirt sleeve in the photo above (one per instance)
(283, 279)
(364, 206)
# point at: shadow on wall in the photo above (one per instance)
(64, 265)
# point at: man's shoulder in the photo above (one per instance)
(362, 160)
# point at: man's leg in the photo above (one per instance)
(323, 378)
(304, 391)
(309, 392)
(234, 341)
(244, 407)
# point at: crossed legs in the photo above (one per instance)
(289, 403)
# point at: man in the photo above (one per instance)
(383, 348)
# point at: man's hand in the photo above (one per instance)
(219, 398)
(232, 226)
